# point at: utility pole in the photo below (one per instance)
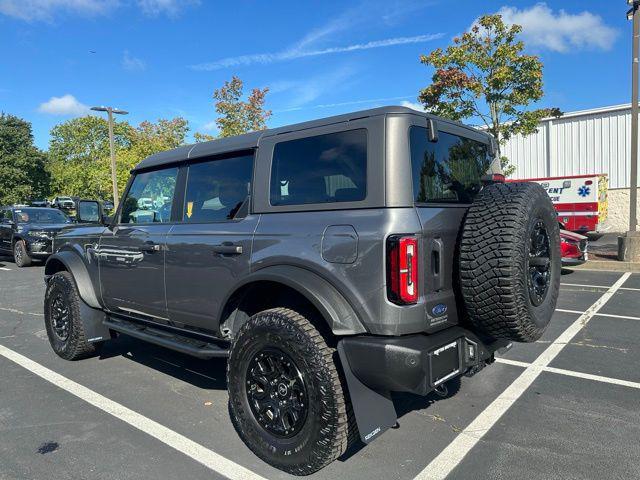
(110, 112)
(629, 245)
(635, 17)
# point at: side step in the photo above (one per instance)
(174, 341)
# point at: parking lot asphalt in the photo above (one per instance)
(564, 407)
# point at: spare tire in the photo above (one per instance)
(509, 261)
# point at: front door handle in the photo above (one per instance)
(150, 248)
(228, 248)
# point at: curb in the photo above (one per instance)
(611, 266)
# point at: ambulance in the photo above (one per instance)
(580, 200)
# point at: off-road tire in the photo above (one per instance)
(21, 256)
(329, 426)
(494, 261)
(62, 286)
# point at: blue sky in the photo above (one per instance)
(163, 58)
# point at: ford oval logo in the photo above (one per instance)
(439, 309)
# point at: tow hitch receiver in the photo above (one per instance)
(376, 366)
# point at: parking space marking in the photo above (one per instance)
(610, 315)
(197, 452)
(5, 269)
(581, 285)
(441, 466)
(573, 373)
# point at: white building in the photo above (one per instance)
(580, 143)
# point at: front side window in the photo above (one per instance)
(216, 190)
(320, 169)
(449, 170)
(150, 197)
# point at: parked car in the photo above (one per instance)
(63, 203)
(40, 203)
(26, 233)
(574, 248)
(333, 262)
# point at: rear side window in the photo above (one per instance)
(216, 190)
(320, 169)
(449, 170)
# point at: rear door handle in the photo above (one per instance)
(150, 248)
(436, 264)
(228, 248)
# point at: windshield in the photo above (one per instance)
(41, 216)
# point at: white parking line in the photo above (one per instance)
(197, 452)
(5, 269)
(441, 466)
(610, 315)
(598, 286)
(573, 373)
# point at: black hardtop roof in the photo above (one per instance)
(250, 141)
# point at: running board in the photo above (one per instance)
(187, 345)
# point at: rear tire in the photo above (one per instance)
(510, 261)
(62, 319)
(21, 255)
(279, 356)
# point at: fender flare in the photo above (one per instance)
(334, 308)
(75, 265)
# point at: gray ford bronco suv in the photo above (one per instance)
(333, 262)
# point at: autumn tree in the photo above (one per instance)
(23, 173)
(486, 75)
(237, 116)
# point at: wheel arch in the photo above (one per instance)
(294, 285)
(71, 262)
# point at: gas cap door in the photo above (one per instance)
(340, 244)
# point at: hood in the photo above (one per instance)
(576, 237)
(49, 227)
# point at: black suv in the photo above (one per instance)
(26, 233)
(332, 262)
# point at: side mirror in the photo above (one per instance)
(8, 221)
(432, 130)
(89, 211)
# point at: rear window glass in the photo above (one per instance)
(321, 169)
(449, 170)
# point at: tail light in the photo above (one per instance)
(402, 269)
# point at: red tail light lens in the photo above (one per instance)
(402, 269)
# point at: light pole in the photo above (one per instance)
(110, 112)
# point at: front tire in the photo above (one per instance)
(286, 399)
(21, 255)
(62, 319)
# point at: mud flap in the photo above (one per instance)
(374, 411)
(94, 329)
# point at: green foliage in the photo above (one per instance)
(23, 173)
(238, 116)
(485, 74)
(80, 157)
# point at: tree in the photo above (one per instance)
(486, 75)
(23, 173)
(80, 158)
(238, 116)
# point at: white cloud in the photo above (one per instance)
(211, 126)
(65, 105)
(560, 31)
(414, 105)
(291, 54)
(132, 63)
(167, 7)
(33, 10)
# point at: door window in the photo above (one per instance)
(321, 169)
(449, 170)
(217, 190)
(150, 197)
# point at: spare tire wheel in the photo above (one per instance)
(510, 261)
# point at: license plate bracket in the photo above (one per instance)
(444, 363)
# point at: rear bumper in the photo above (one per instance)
(417, 363)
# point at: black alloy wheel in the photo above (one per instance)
(539, 263)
